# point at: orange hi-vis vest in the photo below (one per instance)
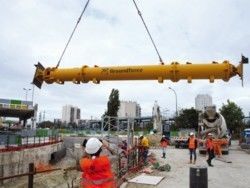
(97, 173)
(191, 143)
(164, 143)
(209, 144)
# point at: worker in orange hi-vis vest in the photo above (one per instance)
(96, 169)
(192, 146)
(164, 145)
(210, 149)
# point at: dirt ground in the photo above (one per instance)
(235, 174)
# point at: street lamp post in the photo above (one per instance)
(33, 88)
(26, 93)
(165, 113)
(176, 111)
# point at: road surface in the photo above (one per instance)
(230, 175)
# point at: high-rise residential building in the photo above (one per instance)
(203, 100)
(129, 109)
(71, 114)
(138, 110)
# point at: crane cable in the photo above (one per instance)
(78, 21)
(151, 38)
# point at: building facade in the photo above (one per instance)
(203, 100)
(129, 109)
(71, 114)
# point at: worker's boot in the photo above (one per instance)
(194, 161)
(190, 161)
(164, 155)
(209, 163)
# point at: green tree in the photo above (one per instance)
(149, 126)
(113, 103)
(233, 115)
(247, 124)
(72, 125)
(46, 124)
(188, 118)
(173, 127)
(112, 106)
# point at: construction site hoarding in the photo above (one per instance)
(16, 104)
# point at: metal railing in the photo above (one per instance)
(28, 142)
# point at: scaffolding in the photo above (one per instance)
(119, 133)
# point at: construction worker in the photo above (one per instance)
(83, 147)
(105, 145)
(164, 144)
(144, 144)
(192, 146)
(140, 150)
(210, 149)
(217, 147)
(96, 169)
(77, 167)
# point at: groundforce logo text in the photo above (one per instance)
(115, 71)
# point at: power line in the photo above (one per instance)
(145, 25)
(78, 21)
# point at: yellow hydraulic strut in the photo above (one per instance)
(173, 72)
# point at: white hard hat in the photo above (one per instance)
(191, 134)
(93, 145)
(210, 134)
(163, 136)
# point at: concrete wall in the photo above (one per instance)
(17, 162)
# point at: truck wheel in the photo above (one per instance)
(202, 152)
(225, 152)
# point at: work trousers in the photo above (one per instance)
(145, 155)
(210, 155)
(192, 152)
(164, 149)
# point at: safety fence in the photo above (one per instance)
(121, 137)
(14, 143)
(38, 132)
(130, 161)
(27, 138)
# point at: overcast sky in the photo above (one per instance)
(111, 33)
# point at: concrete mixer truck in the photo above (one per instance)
(213, 122)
